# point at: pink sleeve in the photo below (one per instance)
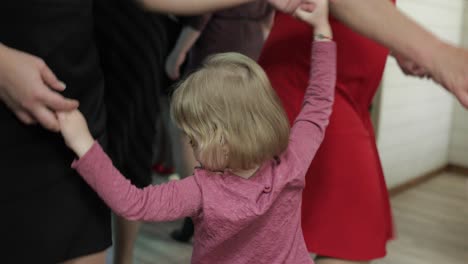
(309, 127)
(166, 202)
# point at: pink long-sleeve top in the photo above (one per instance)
(237, 220)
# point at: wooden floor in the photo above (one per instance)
(431, 222)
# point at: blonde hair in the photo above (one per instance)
(231, 113)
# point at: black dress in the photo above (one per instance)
(49, 213)
(133, 45)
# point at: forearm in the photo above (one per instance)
(186, 40)
(2, 49)
(3, 62)
(309, 127)
(165, 202)
(381, 21)
(267, 24)
(190, 7)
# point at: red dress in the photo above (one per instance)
(345, 207)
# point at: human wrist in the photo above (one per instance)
(3, 60)
(430, 54)
(323, 32)
(83, 146)
(179, 50)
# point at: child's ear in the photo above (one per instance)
(225, 149)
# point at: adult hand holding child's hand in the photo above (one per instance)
(315, 13)
(287, 6)
(75, 131)
(30, 89)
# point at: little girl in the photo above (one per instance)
(245, 199)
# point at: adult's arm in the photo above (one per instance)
(178, 55)
(193, 27)
(382, 22)
(192, 7)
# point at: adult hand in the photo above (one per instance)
(75, 131)
(409, 67)
(173, 64)
(314, 12)
(449, 68)
(287, 6)
(30, 89)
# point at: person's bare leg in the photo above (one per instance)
(125, 234)
(97, 258)
(338, 261)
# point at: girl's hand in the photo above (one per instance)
(314, 12)
(75, 132)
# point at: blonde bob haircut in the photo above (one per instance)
(231, 114)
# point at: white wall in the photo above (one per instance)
(458, 154)
(416, 115)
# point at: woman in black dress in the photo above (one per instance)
(50, 214)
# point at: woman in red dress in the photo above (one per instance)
(346, 212)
